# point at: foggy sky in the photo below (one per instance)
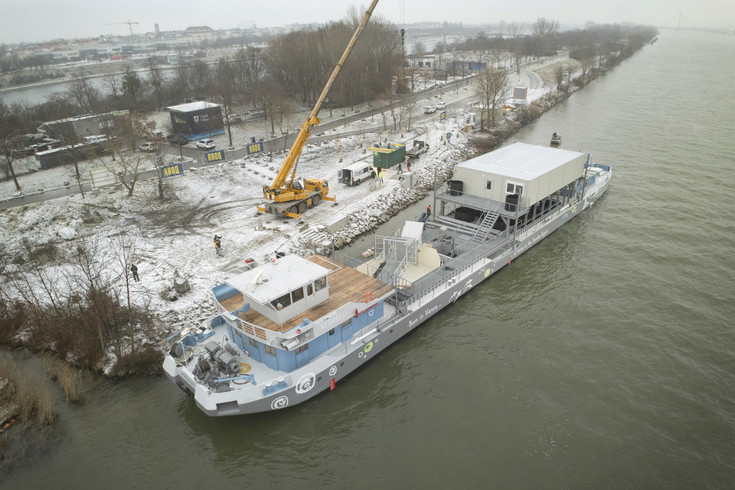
(40, 20)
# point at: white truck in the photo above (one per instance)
(356, 173)
(419, 147)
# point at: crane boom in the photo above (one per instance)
(282, 191)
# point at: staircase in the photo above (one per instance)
(485, 226)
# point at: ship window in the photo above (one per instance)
(253, 342)
(309, 289)
(331, 331)
(282, 302)
(297, 294)
(301, 348)
(489, 185)
(269, 349)
(320, 283)
(346, 323)
(512, 188)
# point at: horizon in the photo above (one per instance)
(71, 20)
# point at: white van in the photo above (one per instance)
(356, 173)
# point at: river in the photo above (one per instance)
(602, 358)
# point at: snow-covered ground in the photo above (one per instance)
(174, 237)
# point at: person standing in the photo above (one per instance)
(218, 245)
(408, 166)
(134, 272)
(400, 169)
(380, 175)
(428, 212)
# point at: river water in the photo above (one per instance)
(602, 358)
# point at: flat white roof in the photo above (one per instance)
(192, 106)
(521, 161)
(272, 280)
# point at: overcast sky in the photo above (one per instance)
(39, 20)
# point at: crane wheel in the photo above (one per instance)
(316, 200)
(302, 207)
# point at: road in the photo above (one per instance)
(284, 142)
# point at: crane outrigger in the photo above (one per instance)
(288, 196)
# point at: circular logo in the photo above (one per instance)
(333, 370)
(368, 347)
(280, 402)
(306, 383)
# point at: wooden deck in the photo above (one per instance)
(345, 285)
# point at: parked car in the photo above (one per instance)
(429, 109)
(441, 104)
(205, 144)
(177, 139)
(148, 146)
(234, 118)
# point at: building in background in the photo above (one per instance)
(197, 120)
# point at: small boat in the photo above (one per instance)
(294, 327)
(555, 139)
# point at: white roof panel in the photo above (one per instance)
(521, 161)
(413, 229)
(192, 106)
(272, 280)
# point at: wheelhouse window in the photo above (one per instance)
(320, 283)
(309, 289)
(282, 302)
(269, 349)
(297, 294)
(489, 185)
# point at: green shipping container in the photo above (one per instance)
(388, 157)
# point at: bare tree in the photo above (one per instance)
(224, 90)
(559, 77)
(570, 69)
(113, 83)
(131, 85)
(541, 33)
(200, 76)
(9, 146)
(492, 87)
(128, 164)
(124, 247)
(155, 76)
(513, 29)
(83, 93)
(249, 68)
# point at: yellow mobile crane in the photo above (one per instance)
(291, 197)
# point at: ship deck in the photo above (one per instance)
(346, 285)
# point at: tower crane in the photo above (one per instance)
(129, 23)
(288, 196)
